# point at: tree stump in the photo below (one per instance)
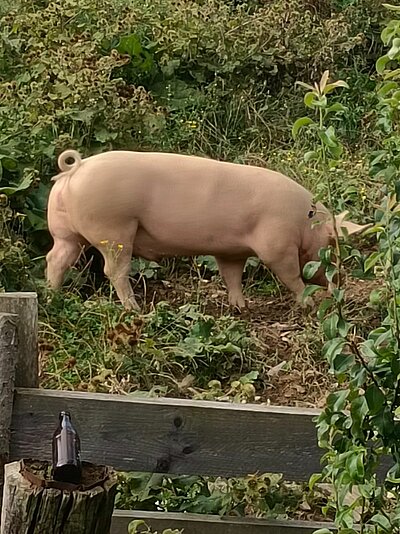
(34, 503)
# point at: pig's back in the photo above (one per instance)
(149, 174)
(181, 195)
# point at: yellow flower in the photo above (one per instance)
(104, 242)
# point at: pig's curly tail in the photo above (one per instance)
(69, 154)
(66, 167)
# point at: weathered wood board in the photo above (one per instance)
(170, 435)
(25, 306)
(8, 361)
(206, 524)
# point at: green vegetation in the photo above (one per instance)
(261, 495)
(218, 78)
(134, 526)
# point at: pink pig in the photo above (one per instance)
(158, 205)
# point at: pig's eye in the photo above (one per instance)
(312, 212)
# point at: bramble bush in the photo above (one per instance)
(210, 77)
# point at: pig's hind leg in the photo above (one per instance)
(117, 265)
(62, 256)
(232, 271)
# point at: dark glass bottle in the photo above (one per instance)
(66, 452)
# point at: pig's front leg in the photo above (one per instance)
(286, 266)
(232, 271)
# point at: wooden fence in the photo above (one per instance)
(154, 435)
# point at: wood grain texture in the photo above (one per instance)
(8, 360)
(208, 524)
(25, 306)
(34, 509)
(170, 435)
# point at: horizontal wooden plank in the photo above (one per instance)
(170, 435)
(208, 524)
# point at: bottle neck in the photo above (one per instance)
(65, 420)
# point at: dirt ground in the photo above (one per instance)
(289, 338)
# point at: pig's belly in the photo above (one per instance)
(180, 244)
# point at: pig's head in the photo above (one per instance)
(321, 234)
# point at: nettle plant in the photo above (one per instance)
(359, 428)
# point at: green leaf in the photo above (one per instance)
(310, 290)
(337, 107)
(337, 401)
(249, 377)
(331, 86)
(343, 327)
(323, 308)
(323, 531)
(299, 124)
(330, 326)
(380, 519)
(391, 7)
(377, 229)
(338, 295)
(372, 260)
(384, 90)
(130, 45)
(309, 99)
(328, 137)
(375, 399)
(314, 479)
(342, 362)
(102, 135)
(134, 525)
(395, 49)
(311, 155)
(8, 163)
(24, 184)
(333, 347)
(310, 269)
(355, 466)
(359, 411)
(381, 63)
(306, 85)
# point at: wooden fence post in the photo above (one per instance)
(8, 359)
(25, 306)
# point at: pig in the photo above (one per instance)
(156, 205)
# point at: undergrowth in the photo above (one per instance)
(217, 78)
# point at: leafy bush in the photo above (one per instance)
(157, 75)
(14, 260)
(359, 425)
(262, 495)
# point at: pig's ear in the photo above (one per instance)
(347, 227)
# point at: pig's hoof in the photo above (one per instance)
(237, 306)
(131, 305)
(238, 310)
(308, 303)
